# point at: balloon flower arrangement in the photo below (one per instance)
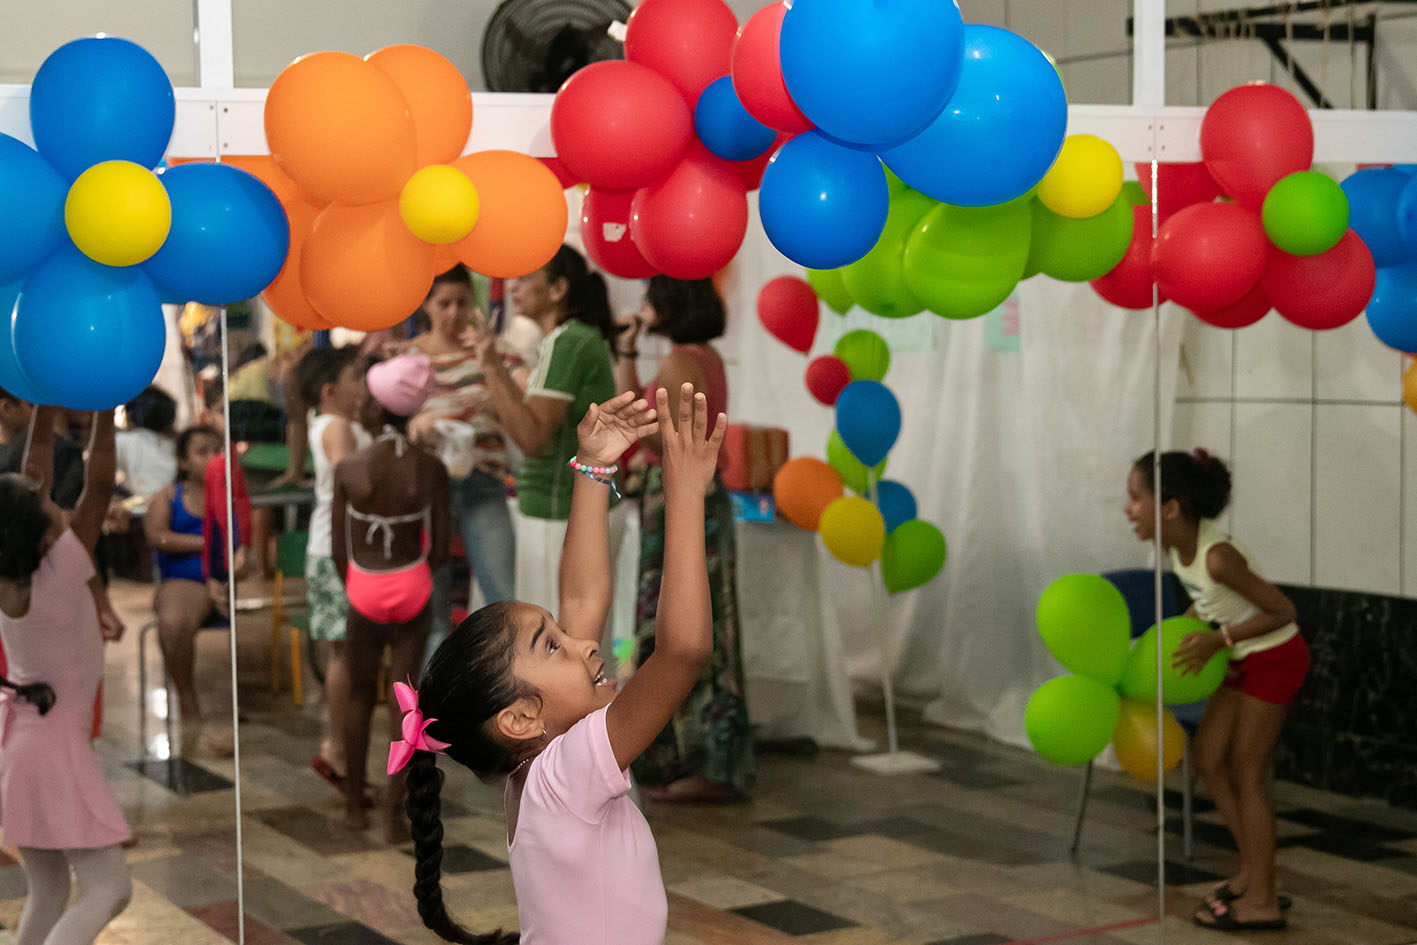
(365, 159)
(1111, 695)
(96, 240)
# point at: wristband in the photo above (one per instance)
(1225, 635)
(631, 354)
(575, 463)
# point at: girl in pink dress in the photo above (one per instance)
(518, 693)
(54, 803)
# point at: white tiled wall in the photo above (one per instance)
(1322, 449)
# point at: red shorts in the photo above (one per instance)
(1272, 675)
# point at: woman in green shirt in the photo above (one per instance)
(573, 370)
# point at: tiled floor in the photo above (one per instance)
(976, 854)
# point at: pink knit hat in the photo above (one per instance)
(401, 384)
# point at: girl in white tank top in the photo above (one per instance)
(1235, 742)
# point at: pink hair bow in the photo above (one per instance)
(415, 735)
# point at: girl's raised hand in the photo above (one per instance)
(690, 454)
(1195, 651)
(608, 429)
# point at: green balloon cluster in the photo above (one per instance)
(1071, 718)
(1084, 623)
(1139, 678)
(1080, 250)
(964, 261)
(830, 289)
(865, 353)
(913, 554)
(877, 280)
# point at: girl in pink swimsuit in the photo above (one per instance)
(389, 521)
(54, 803)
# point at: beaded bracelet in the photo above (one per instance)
(581, 467)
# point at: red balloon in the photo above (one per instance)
(605, 232)
(757, 72)
(1181, 185)
(1209, 255)
(1252, 136)
(1323, 291)
(787, 307)
(689, 42)
(690, 224)
(752, 170)
(620, 125)
(1250, 309)
(558, 167)
(827, 376)
(1129, 284)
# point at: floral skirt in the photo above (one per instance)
(709, 735)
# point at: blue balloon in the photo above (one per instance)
(868, 420)
(873, 72)
(1392, 311)
(1373, 194)
(229, 235)
(101, 99)
(725, 127)
(88, 336)
(823, 205)
(896, 502)
(1407, 216)
(32, 225)
(12, 379)
(1000, 132)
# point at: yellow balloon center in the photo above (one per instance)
(1084, 180)
(439, 204)
(118, 213)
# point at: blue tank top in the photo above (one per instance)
(184, 565)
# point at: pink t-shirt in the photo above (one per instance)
(584, 863)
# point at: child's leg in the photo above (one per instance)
(1211, 754)
(364, 649)
(406, 645)
(1256, 733)
(104, 890)
(336, 703)
(180, 607)
(47, 876)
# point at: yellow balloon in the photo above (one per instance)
(1084, 180)
(853, 531)
(117, 213)
(1134, 740)
(439, 204)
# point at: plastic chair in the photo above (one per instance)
(290, 559)
(1138, 587)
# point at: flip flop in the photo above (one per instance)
(325, 770)
(1222, 919)
(1222, 892)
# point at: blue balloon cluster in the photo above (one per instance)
(1383, 212)
(970, 115)
(79, 333)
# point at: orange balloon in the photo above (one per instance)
(362, 268)
(1409, 386)
(264, 168)
(444, 258)
(522, 217)
(1134, 740)
(341, 129)
(437, 96)
(803, 488)
(285, 295)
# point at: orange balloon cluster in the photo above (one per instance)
(346, 135)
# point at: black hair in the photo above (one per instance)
(467, 682)
(211, 393)
(6, 395)
(321, 366)
(251, 352)
(23, 523)
(153, 409)
(1198, 481)
(458, 275)
(184, 442)
(587, 299)
(687, 311)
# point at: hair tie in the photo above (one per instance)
(415, 735)
(1201, 455)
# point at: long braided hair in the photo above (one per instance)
(468, 681)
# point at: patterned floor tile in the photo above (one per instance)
(321, 834)
(1346, 826)
(813, 828)
(342, 933)
(370, 903)
(1348, 847)
(181, 776)
(984, 938)
(1177, 874)
(461, 858)
(793, 918)
(221, 916)
(185, 880)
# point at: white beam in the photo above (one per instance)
(212, 35)
(1149, 53)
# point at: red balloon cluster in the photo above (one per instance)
(1215, 258)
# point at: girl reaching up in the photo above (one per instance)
(518, 693)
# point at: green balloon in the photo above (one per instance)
(866, 354)
(913, 554)
(1071, 718)
(964, 261)
(1133, 194)
(1305, 213)
(1139, 677)
(1084, 623)
(894, 185)
(876, 281)
(830, 289)
(1080, 250)
(852, 470)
